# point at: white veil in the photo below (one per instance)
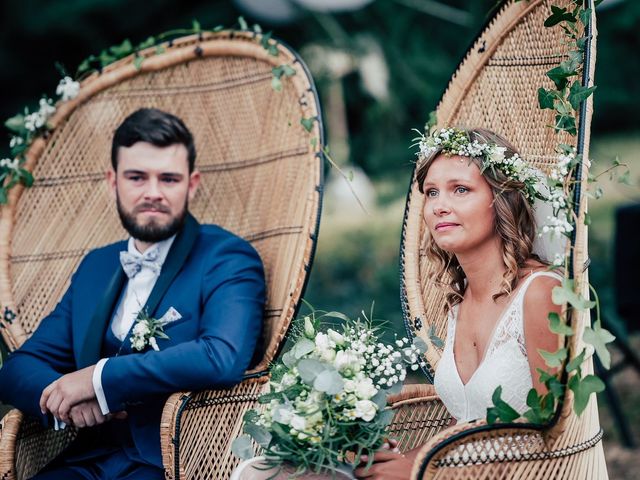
(548, 246)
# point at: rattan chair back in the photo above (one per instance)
(495, 87)
(261, 171)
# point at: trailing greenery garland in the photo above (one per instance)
(26, 126)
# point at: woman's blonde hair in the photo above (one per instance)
(514, 222)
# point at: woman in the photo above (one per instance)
(478, 212)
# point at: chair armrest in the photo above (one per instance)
(26, 446)
(198, 428)
(503, 451)
(419, 415)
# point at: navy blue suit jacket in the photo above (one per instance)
(213, 278)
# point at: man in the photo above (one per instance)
(177, 307)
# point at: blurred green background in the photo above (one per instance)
(380, 67)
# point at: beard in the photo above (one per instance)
(152, 232)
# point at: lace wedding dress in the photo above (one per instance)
(504, 363)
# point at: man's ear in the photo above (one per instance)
(194, 181)
(111, 182)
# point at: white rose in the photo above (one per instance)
(141, 328)
(366, 410)
(347, 362)
(298, 422)
(336, 337)
(349, 386)
(365, 389)
(308, 327)
(283, 414)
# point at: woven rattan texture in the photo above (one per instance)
(207, 423)
(36, 446)
(499, 92)
(495, 87)
(261, 179)
(417, 420)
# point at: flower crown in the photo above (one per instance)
(452, 141)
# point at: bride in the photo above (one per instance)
(478, 210)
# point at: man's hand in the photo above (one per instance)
(60, 396)
(388, 464)
(88, 414)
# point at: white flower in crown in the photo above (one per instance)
(452, 141)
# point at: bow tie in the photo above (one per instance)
(132, 263)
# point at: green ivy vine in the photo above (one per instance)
(565, 99)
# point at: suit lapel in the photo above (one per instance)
(92, 344)
(176, 257)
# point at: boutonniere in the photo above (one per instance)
(146, 330)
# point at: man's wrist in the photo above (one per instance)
(97, 386)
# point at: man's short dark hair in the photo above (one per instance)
(155, 127)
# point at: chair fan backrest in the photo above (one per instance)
(261, 170)
(495, 87)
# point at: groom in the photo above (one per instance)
(100, 361)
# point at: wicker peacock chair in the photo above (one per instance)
(495, 87)
(262, 179)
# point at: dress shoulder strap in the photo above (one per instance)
(533, 276)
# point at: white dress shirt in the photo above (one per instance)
(136, 293)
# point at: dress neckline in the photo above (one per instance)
(454, 313)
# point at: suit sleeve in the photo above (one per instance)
(42, 359)
(233, 292)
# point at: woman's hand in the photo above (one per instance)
(388, 464)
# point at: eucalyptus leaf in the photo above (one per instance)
(329, 382)
(302, 347)
(3, 195)
(554, 359)
(421, 345)
(289, 359)
(195, 26)
(242, 447)
(260, 434)
(435, 340)
(386, 417)
(582, 390)
(556, 325)
(599, 337)
(380, 398)
(309, 369)
(243, 23)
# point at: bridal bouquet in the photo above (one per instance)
(328, 394)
